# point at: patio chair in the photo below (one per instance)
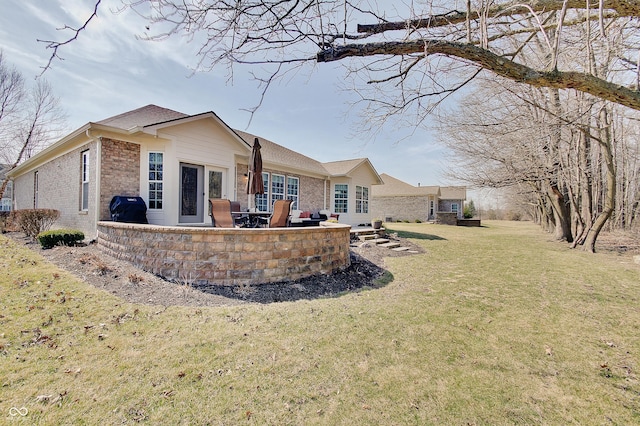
(280, 216)
(221, 213)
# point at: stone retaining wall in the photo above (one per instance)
(228, 256)
(469, 222)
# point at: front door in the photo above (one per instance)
(191, 193)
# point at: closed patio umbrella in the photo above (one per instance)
(255, 184)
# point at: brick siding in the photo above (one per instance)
(60, 188)
(400, 208)
(120, 172)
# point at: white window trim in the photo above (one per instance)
(295, 197)
(149, 181)
(364, 201)
(284, 188)
(346, 198)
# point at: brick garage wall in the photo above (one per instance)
(228, 256)
(59, 187)
(120, 172)
(400, 208)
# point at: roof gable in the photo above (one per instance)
(349, 167)
(453, 193)
(393, 187)
(141, 117)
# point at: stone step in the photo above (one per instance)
(380, 241)
(389, 245)
(367, 237)
(400, 249)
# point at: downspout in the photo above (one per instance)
(98, 180)
(326, 207)
(98, 174)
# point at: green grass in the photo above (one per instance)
(493, 325)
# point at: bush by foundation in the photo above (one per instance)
(34, 221)
(65, 237)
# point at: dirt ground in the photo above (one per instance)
(124, 280)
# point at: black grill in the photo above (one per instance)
(128, 209)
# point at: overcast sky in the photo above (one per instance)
(107, 71)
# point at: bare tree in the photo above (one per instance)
(496, 36)
(29, 120)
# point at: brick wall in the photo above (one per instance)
(400, 208)
(59, 187)
(228, 256)
(120, 172)
(447, 218)
(445, 206)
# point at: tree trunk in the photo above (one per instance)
(610, 193)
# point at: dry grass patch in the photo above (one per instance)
(490, 325)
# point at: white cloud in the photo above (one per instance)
(108, 71)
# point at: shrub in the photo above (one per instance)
(65, 237)
(34, 221)
(513, 215)
(4, 219)
(469, 210)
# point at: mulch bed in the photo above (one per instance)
(124, 280)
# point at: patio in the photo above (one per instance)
(228, 256)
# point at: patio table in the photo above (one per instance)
(254, 217)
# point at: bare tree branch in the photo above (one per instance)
(55, 45)
(495, 63)
(622, 8)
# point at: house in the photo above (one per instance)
(351, 185)
(175, 162)
(397, 200)
(5, 202)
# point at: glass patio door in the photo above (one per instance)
(191, 193)
(216, 183)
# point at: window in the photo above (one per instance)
(215, 184)
(454, 207)
(5, 203)
(156, 176)
(362, 199)
(341, 198)
(84, 201)
(277, 188)
(293, 189)
(262, 200)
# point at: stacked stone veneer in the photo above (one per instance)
(228, 256)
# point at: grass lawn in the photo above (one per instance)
(493, 325)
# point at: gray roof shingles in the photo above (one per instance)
(272, 153)
(145, 116)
